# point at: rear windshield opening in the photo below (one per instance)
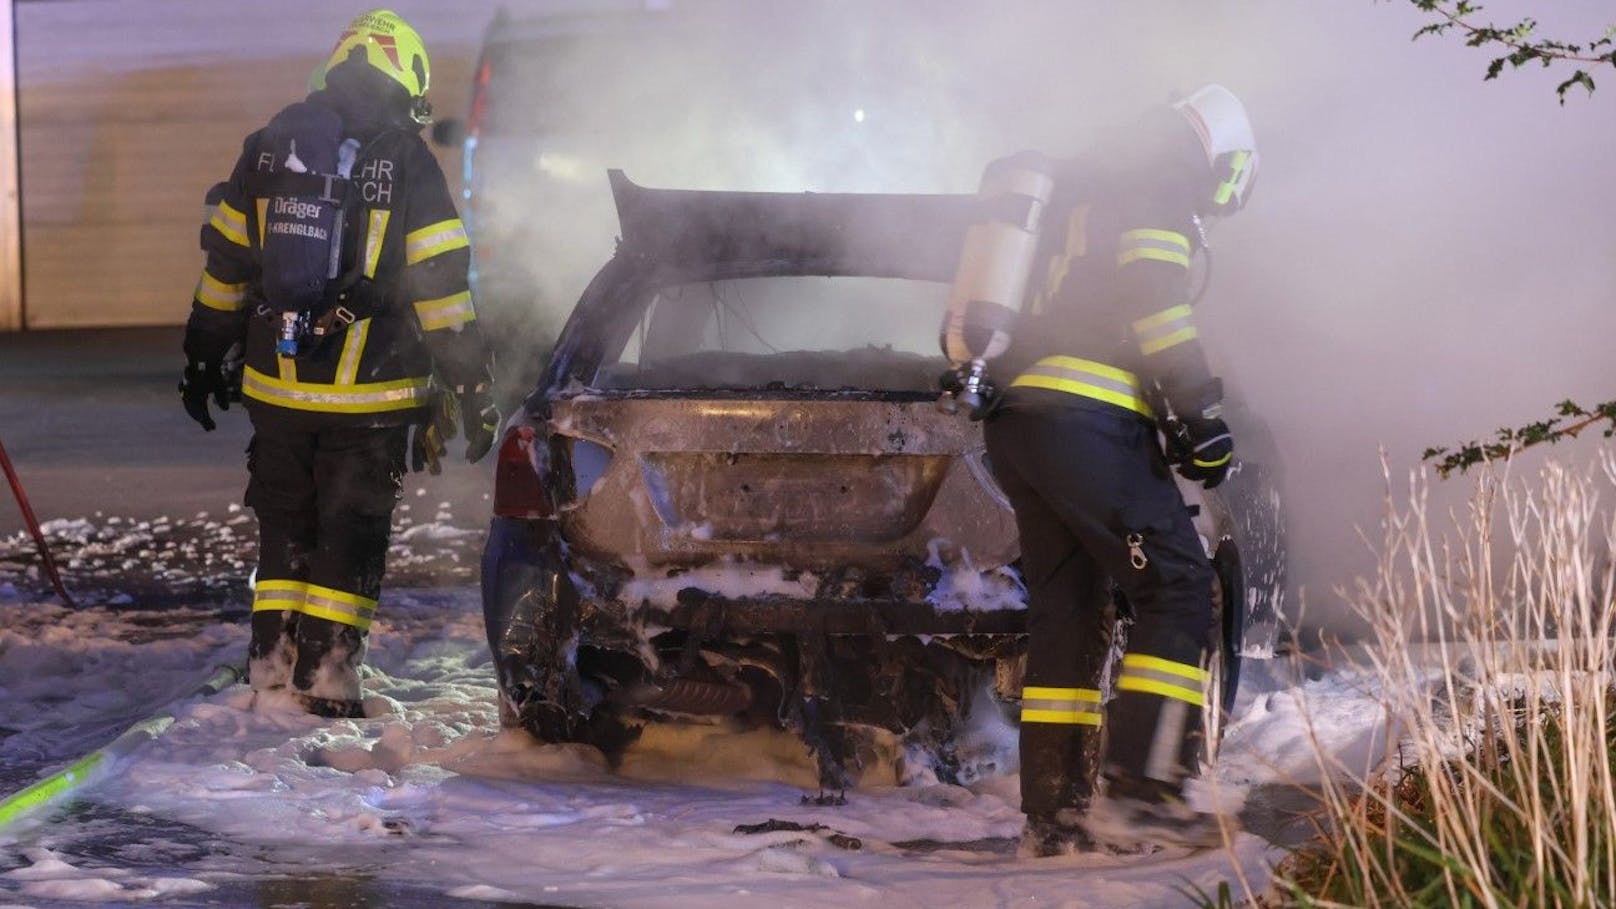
(793, 332)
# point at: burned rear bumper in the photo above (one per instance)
(699, 610)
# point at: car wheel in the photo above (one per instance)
(1228, 616)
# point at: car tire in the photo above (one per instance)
(1228, 637)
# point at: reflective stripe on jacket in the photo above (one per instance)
(405, 237)
(1088, 379)
(1108, 313)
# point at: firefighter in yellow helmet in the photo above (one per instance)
(1106, 344)
(390, 47)
(337, 266)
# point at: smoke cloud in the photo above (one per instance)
(1428, 256)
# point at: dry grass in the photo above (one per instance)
(1494, 649)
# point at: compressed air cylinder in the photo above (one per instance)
(996, 260)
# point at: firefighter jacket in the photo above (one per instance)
(1108, 317)
(412, 310)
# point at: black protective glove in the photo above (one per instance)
(1202, 449)
(480, 420)
(201, 381)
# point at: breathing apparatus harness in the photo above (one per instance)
(310, 198)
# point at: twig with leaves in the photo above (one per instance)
(1520, 43)
(1570, 419)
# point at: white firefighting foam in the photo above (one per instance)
(430, 791)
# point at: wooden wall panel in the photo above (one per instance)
(10, 216)
(125, 124)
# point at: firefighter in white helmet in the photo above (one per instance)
(1105, 343)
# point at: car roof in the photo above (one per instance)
(917, 236)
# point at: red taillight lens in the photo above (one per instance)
(479, 98)
(518, 482)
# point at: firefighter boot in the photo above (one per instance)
(1057, 833)
(271, 652)
(1137, 814)
(325, 676)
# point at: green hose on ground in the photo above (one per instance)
(93, 766)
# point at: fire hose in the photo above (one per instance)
(99, 763)
(33, 528)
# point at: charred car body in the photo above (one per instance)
(733, 493)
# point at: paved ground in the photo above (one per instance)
(92, 422)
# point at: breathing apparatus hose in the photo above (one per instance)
(97, 764)
(1206, 253)
(33, 528)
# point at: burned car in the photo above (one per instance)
(733, 492)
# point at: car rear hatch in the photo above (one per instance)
(831, 482)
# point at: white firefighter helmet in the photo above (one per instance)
(1220, 122)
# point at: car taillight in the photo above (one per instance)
(479, 98)
(518, 482)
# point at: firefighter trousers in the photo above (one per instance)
(1096, 505)
(324, 498)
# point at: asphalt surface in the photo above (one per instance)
(92, 422)
(141, 507)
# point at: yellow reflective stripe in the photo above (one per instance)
(215, 294)
(1034, 692)
(1158, 687)
(279, 584)
(433, 240)
(1110, 373)
(1061, 717)
(1087, 378)
(1168, 328)
(1183, 670)
(1170, 239)
(335, 596)
(1160, 344)
(353, 348)
(373, 239)
(1066, 706)
(369, 397)
(287, 367)
(1237, 166)
(1158, 255)
(229, 222)
(1165, 317)
(312, 599)
(339, 606)
(1150, 243)
(263, 211)
(1154, 675)
(1218, 463)
(1084, 389)
(277, 595)
(445, 312)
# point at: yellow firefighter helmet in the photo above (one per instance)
(390, 45)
